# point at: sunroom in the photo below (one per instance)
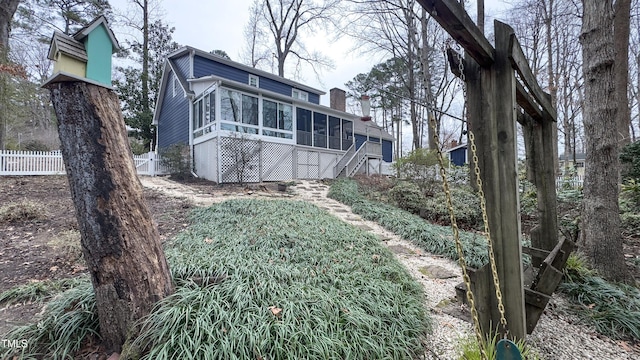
(242, 133)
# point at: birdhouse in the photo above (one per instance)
(85, 55)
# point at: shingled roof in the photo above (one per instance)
(68, 45)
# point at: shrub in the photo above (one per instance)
(408, 196)
(630, 159)
(421, 166)
(177, 159)
(466, 207)
(25, 210)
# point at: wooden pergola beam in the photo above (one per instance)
(452, 17)
(521, 65)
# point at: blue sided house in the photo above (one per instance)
(244, 124)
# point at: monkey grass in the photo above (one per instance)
(285, 280)
(433, 238)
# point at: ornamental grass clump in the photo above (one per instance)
(432, 238)
(286, 281)
(612, 309)
(69, 322)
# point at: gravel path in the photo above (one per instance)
(557, 335)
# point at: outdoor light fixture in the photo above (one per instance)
(366, 107)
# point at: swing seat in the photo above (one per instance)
(549, 276)
(507, 350)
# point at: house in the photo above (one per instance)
(244, 124)
(458, 154)
(86, 55)
(573, 163)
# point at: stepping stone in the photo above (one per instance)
(339, 210)
(353, 219)
(436, 272)
(364, 227)
(400, 249)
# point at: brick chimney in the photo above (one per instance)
(338, 99)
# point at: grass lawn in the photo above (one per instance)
(264, 279)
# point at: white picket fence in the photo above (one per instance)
(51, 163)
(572, 182)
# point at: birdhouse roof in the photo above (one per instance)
(87, 29)
(68, 45)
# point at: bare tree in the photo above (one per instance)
(601, 237)
(254, 52)
(402, 30)
(288, 21)
(7, 10)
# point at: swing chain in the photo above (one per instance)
(456, 236)
(481, 196)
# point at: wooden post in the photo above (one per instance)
(507, 246)
(120, 242)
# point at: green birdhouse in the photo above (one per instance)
(85, 55)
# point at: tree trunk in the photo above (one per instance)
(7, 10)
(120, 242)
(621, 28)
(601, 236)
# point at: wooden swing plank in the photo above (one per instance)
(521, 65)
(455, 20)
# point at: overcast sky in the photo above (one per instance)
(219, 24)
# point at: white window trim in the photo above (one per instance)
(175, 85)
(256, 78)
(299, 95)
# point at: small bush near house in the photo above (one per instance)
(25, 210)
(421, 167)
(177, 158)
(630, 208)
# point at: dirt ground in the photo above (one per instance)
(47, 247)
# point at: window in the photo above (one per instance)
(238, 108)
(230, 105)
(278, 116)
(176, 86)
(319, 130)
(250, 110)
(254, 80)
(299, 94)
(347, 134)
(204, 114)
(334, 133)
(303, 126)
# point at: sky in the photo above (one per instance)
(219, 24)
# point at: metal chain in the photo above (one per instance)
(456, 237)
(483, 203)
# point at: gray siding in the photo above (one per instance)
(173, 121)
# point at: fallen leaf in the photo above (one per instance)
(275, 311)
(53, 269)
(208, 240)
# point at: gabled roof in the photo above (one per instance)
(87, 29)
(461, 146)
(68, 45)
(188, 49)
